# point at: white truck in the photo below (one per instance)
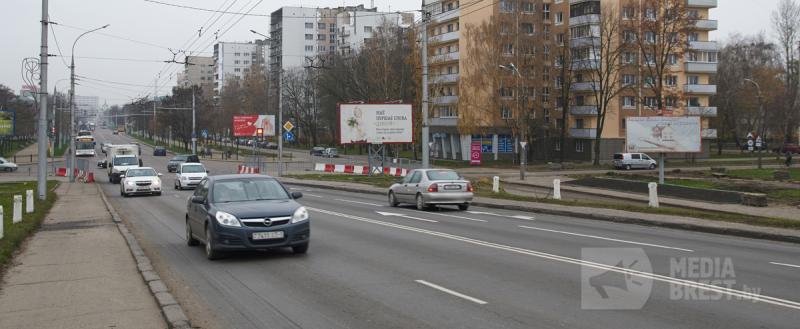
(120, 159)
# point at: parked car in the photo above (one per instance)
(246, 212)
(6, 165)
(104, 147)
(141, 180)
(630, 161)
(189, 175)
(791, 148)
(160, 151)
(432, 187)
(114, 132)
(271, 146)
(173, 163)
(317, 150)
(330, 153)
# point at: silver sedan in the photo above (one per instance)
(429, 187)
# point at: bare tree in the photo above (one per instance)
(787, 28)
(564, 85)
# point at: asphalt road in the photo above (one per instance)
(372, 266)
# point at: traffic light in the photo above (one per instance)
(260, 132)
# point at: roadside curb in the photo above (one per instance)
(687, 226)
(170, 309)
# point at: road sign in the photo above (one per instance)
(288, 126)
(288, 136)
(204, 133)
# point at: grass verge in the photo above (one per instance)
(483, 189)
(15, 234)
(762, 174)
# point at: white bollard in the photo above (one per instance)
(17, 216)
(653, 195)
(28, 201)
(496, 184)
(1, 222)
(557, 189)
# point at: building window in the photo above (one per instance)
(559, 123)
(557, 145)
(628, 79)
(650, 102)
(628, 13)
(693, 102)
(546, 113)
(527, 28)
(309, 37)
(367, 29)
(527, 7)
(693, 80)
(505, 112)
(309, 25)
(506, 6)
(629, 36)
(321, 37)
(672, 59)
(546, 11)
(322, 26)
(671, 80)
(236, 62)
(650, 36)
(579, 146)
(579, 123)
(559, 18)
(237, 70)
(309, 48)
(628, 101)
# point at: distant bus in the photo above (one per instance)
(84, 146)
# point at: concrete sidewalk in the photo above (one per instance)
(613, 215)
(786, 212)
(77, 272)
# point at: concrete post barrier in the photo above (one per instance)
(28, 201)
(557, 189)
(1, 223)
(653, 195)
(496, 184)
(17, 216)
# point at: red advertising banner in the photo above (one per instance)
(247, 125)
(475, 153)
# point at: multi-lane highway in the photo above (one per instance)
(372, 266)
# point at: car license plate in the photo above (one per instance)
(268, 235)
(142, 189)
(452, 187)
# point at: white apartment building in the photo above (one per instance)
(198, 71)
(233, 60)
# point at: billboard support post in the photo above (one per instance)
(661, 168)
(376, 157)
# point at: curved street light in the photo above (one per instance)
(71, 170)
(763, 119)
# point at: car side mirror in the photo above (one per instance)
(198, 199)
(160, 174)
(208, 172)
(121, 176)
(297, 195)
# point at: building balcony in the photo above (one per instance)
(585, 42)
(443, 38)
(702, 111)
(572, 2)
(444, 122)
(701, 3)
(443, 100)
(443, 78)
(704, 45)
(583, 86)
(700, 89)
(701, 67)
(585, 19)
(587, 64)
(708, 133)
(705, 24)
(447, 16)
(583, 110)
(583, 133)
(448, 57)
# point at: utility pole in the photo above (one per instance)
(42, 133)
(194, 131)
(280, 123)
(426, 152)
(762, 133)
(155, 112)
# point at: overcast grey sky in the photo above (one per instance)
(154, 28)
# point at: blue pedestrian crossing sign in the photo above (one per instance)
(288, 136)
(205, 133)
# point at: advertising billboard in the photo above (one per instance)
(663, 134)
(376, 124)
(7, 123)
(247, 125)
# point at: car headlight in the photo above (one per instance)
(130, 183)
(300, 215)
(226, 219)
(157, 182)
(184, 178)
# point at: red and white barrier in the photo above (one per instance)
(358, 170)
(248, 170)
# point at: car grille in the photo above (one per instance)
(260, 222)
(195, 178)
(143, 183)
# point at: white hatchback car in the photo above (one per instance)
(189, 175)
(6, 165)
(140, 180)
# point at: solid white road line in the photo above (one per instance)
(784, 264)
(404, 216)
(359, 202)
(312, 195)
(743, 295)
(454, 293)
(499, 215)
(607, 239)
(454, 216)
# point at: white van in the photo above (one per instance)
(630, 161)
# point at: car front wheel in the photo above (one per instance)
(190, 240)
(393, 200)
(211, 252)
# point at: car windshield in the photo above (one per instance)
(443, 175)
(248, 190)
(193, 169)
(125, 161)
(140, 173)
(618, 156)
(180, 158)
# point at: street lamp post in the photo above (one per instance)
(520, 99)
(71, 170)
(762, 133)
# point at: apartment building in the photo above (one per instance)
(197, 71)
(233, 60)
(466, 107)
